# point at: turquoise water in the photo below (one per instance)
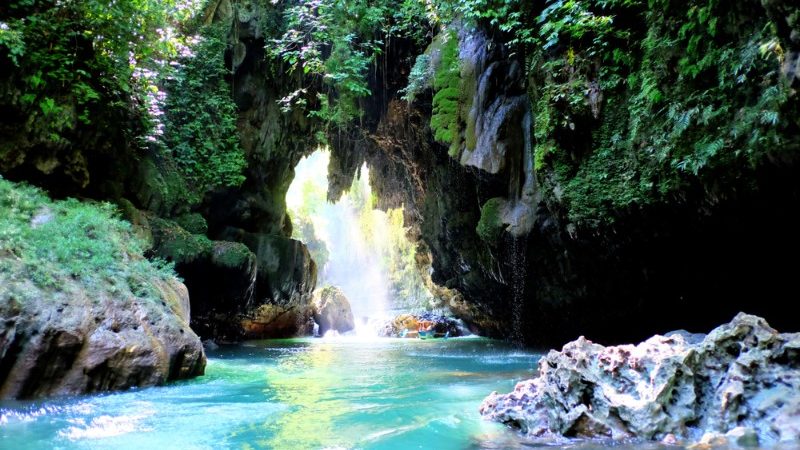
(296, 394)
(293, 394)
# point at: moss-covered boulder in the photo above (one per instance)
(81, 310)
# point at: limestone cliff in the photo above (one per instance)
(542, 250)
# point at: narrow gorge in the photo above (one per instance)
(345, 224)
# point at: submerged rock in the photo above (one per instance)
(332, 310)
(742, 379)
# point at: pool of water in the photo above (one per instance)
(297, 394)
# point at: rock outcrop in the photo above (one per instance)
(277, 301)
(248, 285)
(76, 341)
(332, 310)
(742, 379)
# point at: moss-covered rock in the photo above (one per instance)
(232, 255)
(174, 243)
(194, 223)
(447, 98)
(82, 310)
(491, 225)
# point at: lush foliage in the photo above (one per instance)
(78, 59)
(633, 100)
(419, 78)
(200, 127)
(659, 95)
(334, 42)
(91, 66)
(53, 241)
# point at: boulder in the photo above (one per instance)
(406, 325)
(283, 283)
(742, 374)
(76, 340)
(332, 310)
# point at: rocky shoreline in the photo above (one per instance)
(739, 386)
(77, 341)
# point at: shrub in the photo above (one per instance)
(52, 241)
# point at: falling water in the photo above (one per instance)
(518, 275)
(353, 265)
(356, 238)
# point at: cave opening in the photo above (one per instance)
(362, 250)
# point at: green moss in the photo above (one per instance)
(232, 255)
(540, 152)
(490, 226)
(193, 223)
(174, 243)
(50, 241)
(447, 100)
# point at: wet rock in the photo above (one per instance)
(406, 325)
(332, 310)
(742, 373)
(277, 321)
(284, 280)
(400, 325)
(220, 275)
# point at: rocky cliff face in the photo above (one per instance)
(238, 261)
(494, 215)
(278, 303)
(500, 230)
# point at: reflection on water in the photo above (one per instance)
(299, 394)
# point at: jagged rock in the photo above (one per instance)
(743, 373)
(278, 321)
(74, 341)
(332, 310)
(400, 324)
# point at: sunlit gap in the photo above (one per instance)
(362, 250)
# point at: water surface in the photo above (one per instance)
(292, 394)
(297, 394)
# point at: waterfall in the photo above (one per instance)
(363, 251)
(517, 252)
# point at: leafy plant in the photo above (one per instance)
(333, 42)
(418, 79)
(200, 130)
(52, 241)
